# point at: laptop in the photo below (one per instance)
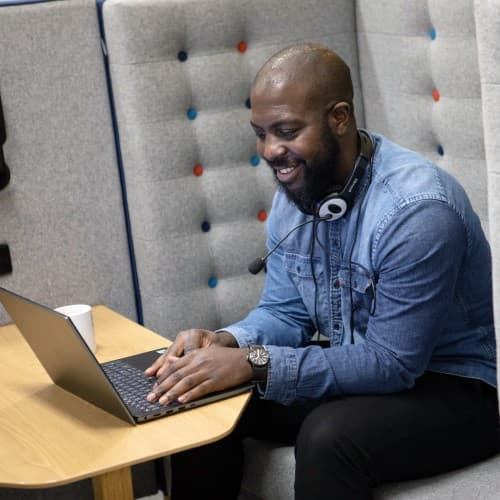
(118, 387)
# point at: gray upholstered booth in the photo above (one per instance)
(167, 238)
(62, 214)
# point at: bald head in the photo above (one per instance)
(316, 69)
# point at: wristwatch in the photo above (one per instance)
(258, 357)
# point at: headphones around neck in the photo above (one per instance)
(336, 204)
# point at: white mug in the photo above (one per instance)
(81, 316)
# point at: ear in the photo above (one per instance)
(339, 117)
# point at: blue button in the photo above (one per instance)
(432, 33)
(192, 113)
(212, 282)
(440, 150)
(205, 226)
(182, 56)
(248, 103)
(255, 160)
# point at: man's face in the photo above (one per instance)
(294, 138)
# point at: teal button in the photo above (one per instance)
(255, 160)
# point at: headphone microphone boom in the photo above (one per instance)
(258, 264)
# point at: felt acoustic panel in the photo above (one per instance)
(488, 36)
(198, 193)
(62, 213)
(421, 86)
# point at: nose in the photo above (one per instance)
(272, 149)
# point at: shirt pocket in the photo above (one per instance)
(358, 288)
(300, 271)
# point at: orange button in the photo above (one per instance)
(198, 170)
(436, 95)
(242, 47)
(262, 215)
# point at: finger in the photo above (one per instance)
(190, 384)
(176, 385)
(177, 347)
(167, 364)
(169, 374)
(192, 341)
(196, 392)
(151, 370)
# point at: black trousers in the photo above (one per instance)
(346, 446)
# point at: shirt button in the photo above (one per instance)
(337, 283)
(336, 326)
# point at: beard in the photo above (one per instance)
(319, 175)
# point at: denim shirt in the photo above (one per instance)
(400, 285)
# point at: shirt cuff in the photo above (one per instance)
(242, 336)
(281, 375)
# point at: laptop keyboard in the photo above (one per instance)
(132, 385)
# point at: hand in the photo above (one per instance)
(199, 372)
(185, 342)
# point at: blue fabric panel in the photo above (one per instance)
(7, 3)
(133, 264)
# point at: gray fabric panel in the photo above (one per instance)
(153, 91)
(62, 213)
(269, 471)
(269, 475)
(488, 36)
(400, 68)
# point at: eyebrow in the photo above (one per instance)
(280, 123)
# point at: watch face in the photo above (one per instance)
(258, 356)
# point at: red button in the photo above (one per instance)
(262, 215)
(198, 170)
(436, 95)
(242, 47)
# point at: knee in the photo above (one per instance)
(331, 456)
(328, 435)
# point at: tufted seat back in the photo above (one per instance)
(421, 84)
(197, 192)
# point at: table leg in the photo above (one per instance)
(115, 485)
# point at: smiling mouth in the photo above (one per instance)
(286, 170)
(288, 175)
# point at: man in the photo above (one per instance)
(393, 269)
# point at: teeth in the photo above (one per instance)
(286, 170)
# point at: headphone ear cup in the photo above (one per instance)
(333, 206)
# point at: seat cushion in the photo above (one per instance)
(269, 475)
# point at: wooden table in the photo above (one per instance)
(48, 437)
